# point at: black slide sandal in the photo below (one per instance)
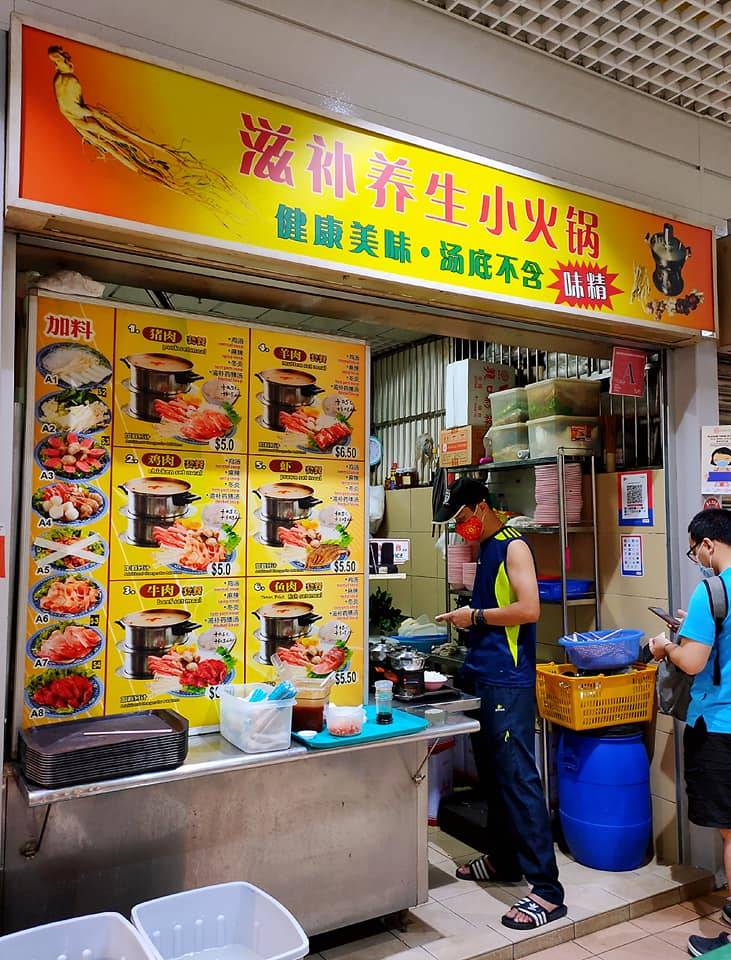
(538, 914)
(480, 872)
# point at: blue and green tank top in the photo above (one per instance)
(501, 656)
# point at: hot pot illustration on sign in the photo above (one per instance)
(160, 392)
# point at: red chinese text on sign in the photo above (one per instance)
(265, 154)
(331, 168)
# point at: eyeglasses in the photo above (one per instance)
(691, 553)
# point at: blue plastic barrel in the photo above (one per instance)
(604, 799)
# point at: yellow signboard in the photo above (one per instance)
(157, 152)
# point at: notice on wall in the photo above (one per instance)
(634, 497)
(147, 512)
(628, 372)
(716, 460)
(633, 564)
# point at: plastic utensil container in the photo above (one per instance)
(573, 434)
(549, 589)
(237, 915)
(345, 721)
(509, 442)
(263, 727)
(101, 936)
(563, 396)
(603, 649)
(509, 406)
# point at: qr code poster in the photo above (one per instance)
(716, 460)
(634, 495)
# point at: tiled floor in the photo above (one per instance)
(647, 914)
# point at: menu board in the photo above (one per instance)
(180, 383)
(171, 494)
(314, 624)
(305, 515)
(307, 395)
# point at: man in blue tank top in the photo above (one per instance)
(501, 662)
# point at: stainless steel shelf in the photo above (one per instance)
(518, 464)
(588, 601)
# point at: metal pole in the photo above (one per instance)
(595, 534)
(563, 535)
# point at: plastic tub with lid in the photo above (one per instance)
(237, 918)
(563, 396)
(509, 406)
(261, 727)
(509, 442)
(572, 434)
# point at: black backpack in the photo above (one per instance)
(673, 686)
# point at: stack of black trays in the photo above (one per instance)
(103, 748)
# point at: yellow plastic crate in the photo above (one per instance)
(585, 703)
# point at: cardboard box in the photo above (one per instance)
(468, 388)
(461, 446)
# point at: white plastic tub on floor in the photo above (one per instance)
(229, 921)
(101, 936)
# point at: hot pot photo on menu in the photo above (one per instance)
(307, 396)
(171, 644)
(305, 515)
(180, 382)
(305, 628)
(177, 513)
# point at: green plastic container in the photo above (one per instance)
(509, 406)
(563, 397)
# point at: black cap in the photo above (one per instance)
(465, 492)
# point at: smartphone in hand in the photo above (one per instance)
(669, 619)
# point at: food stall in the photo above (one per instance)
(194, 499)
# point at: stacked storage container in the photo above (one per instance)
(563, 413)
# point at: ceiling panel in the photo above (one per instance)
(678, 51)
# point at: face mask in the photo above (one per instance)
(706, 572)
(470, 529)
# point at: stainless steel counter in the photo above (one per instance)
(210, 754)
(308, 826)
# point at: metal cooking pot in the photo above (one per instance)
(147, 380)
(669, 254)
(267, 647)
(141, 530)
(407, 660)
(269, 531)
(136, 663)
(298, 506)
(164, 506)
(283, 627)
(156, 637)
(281, 394)
(141, 404)
(271, 415)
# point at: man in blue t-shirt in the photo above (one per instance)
(705, 654)
(501, 663)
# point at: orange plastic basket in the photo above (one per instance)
(585, 703)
